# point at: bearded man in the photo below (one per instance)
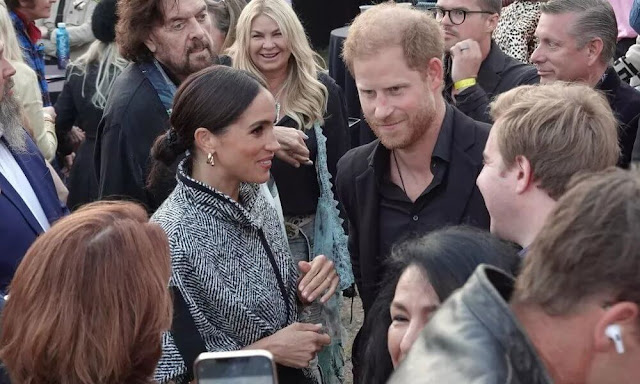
(420, 174)
(167, 40)
(29, 202)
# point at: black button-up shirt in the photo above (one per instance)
(400, 218)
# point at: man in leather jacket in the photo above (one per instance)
(572, 316)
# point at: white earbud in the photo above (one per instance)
(613, 332)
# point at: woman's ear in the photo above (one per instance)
(204, 140)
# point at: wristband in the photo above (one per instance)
(464, 83)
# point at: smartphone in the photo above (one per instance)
(237, 367)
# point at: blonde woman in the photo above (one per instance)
(271, 44)
(82, 101)
(27, 91)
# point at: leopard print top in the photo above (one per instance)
(514, 33)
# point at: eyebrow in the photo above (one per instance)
(182, 17)
(401, 307)
(261, 32)
(259, 123)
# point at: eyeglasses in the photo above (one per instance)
(457, 16)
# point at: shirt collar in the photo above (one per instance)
(442, 150)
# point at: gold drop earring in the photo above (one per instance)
(210, 159)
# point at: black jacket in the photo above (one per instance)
(474, 338)
(298, 187)
(358, 192)
(74, 107)
(625, 103)
(133, 119)
(498, 73)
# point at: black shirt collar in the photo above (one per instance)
(442, 150)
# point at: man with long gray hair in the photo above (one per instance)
(28, 200)
(577, 43)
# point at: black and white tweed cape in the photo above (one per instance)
(220, 264)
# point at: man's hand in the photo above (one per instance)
(466, 60)
(293, 149)
(317, 276)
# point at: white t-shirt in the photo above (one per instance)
(10, 169)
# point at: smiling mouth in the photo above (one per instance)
(269, 55)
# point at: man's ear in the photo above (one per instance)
(524, 178)
(623, 314)
(492, 22)
(150, 43)
(594, 50)
(435, 72)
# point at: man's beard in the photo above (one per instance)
(188, 66)
(11, 123)
(417, 125)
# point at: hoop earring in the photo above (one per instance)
(210, 159)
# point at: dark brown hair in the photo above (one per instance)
(136, 20)
(90, 300)
(212, 98)
(588, 246)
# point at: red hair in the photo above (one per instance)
(90, 300)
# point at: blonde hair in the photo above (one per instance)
(306, 97)
(560, 128)
(110, 65)
(387, 25)
(12, 51)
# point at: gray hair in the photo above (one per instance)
(225, 17)
(596, 20)
(494, 6)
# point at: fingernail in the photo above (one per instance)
(311, 298)
(305, 136)
(305, 294)
(301, 288)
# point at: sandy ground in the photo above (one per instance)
(352, 325)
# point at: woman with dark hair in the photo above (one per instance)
(89, 301)
(422, 273)
(272, 45)
(232, 270)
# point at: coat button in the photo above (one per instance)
(415, 218)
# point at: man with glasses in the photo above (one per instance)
(476, 69)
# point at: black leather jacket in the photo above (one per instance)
(474, 338)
